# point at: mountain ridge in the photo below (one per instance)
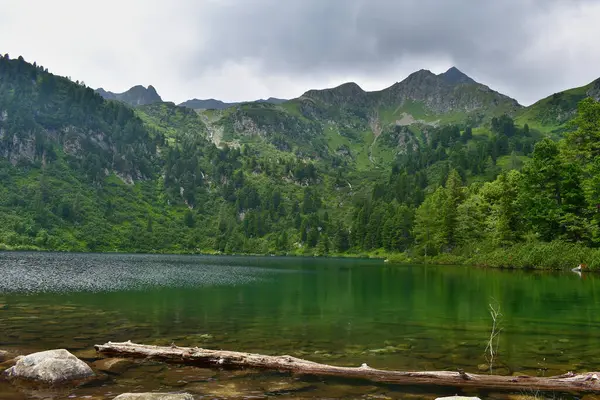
(214, 104)
(552, 113)
(137, 95)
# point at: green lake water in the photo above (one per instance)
(337, 311)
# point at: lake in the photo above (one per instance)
(337, 311)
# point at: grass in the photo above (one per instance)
(528, 255)
(510, 162)
(551, 114)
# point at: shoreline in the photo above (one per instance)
(555, 256)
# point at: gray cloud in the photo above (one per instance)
(489, 39)
(244, 49)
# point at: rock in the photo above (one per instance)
(230, 390)
(51, 366)
(112, 365)
(3, 355)
(154, 396)
(286, 387)
(87, 355)
(483, 367)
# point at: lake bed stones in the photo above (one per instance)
(113, 365)
(51, 367)
(3, 355)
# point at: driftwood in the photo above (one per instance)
(570, 382)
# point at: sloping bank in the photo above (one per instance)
(528, 255)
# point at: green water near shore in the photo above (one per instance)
(336, 311)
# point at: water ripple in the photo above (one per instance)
(69, 272)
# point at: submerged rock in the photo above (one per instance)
(154, 396)
(113, 365)
(458, 398)
(51, 366)
(7, 364)
(87, 354)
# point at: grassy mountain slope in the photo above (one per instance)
(85, 173)
(347, 121)
(552, 113)
(213, 104)
(338, 170)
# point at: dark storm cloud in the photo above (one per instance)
(245, 49)
(315, 37)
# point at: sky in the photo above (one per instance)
(236, 50)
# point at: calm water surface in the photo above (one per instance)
(337, 311)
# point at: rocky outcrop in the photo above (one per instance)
(154, 396)
(51, 366)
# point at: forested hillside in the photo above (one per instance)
(433, 166)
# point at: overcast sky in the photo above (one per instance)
(248, 49)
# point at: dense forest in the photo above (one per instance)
(82, 173)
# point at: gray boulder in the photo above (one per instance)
(154, 396)
(52, 366)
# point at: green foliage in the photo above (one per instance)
(552, 114)
(85, 174)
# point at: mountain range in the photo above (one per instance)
(422, 86)
(85, 169)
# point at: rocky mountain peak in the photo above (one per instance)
(455, 76)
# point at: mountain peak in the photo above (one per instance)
(455, 76)
(138, 95)
(346, 93)
(345, 89)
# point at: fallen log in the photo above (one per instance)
(569, 382)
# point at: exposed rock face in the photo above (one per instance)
(154, 396)
(52, 366)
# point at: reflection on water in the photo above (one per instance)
(343, 312)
